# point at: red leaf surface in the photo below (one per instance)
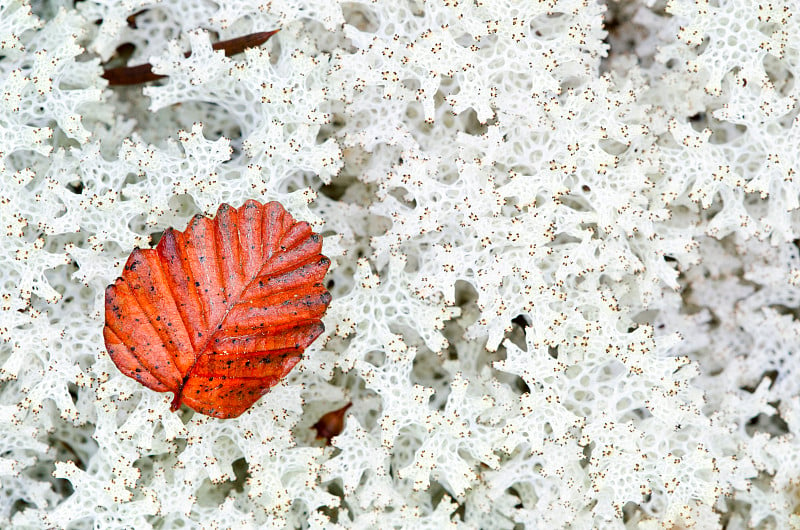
(220, 313)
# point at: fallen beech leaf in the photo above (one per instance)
(220, 313)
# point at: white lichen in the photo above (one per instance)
(565, 268)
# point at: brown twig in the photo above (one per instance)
(143, 73)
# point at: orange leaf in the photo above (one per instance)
(220, 313)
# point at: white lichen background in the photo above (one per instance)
(564, 234)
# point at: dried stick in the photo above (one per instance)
(143, 73)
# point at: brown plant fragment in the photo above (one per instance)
(220, 313)
(143, 73)
(331, 424)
